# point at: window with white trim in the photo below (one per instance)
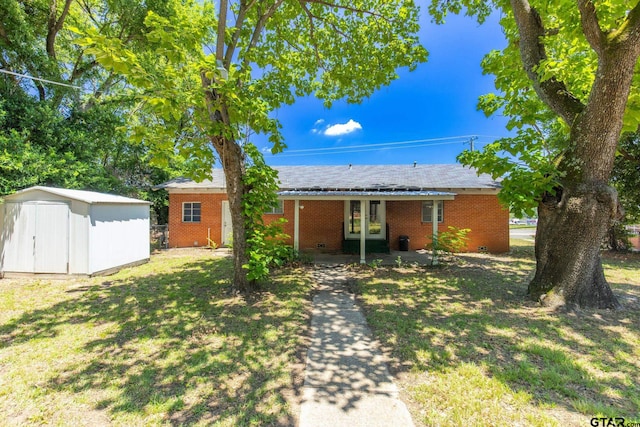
(427, 211)
(191, 211)
(278, 209)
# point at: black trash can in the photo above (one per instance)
(404, 243)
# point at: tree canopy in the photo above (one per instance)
(217, 75)
(63, 117)
(569, 82)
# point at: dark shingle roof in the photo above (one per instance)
(359, 178)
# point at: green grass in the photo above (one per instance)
(166, 344)
(471, 349)
(162, 343)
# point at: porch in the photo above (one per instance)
(392, 258)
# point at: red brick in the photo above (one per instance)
(321, 222)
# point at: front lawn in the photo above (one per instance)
(162, 343)
(471, 349)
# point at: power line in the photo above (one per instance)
(382, 144)
(375, 147)
(39, 79)
(347, 150)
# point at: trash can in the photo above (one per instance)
(404, 243)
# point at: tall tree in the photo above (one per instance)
(59, 121)
(578, 61)
(263, 54)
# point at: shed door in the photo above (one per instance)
(52, 238)
(37, 237)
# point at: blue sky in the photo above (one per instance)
(435, 105)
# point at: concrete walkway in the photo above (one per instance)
(347, 382)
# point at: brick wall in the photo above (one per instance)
(184, 234)
(487, 219)
(321, 222)
(321, 225)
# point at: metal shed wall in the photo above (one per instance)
(97, 236)
(118, 235)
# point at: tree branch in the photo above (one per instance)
(222, 26)
(552, 92)
(242, 13)
(312, 33)
(349, 8)
(262, 20)
(590, 26)
(55, 25)
(629, 32)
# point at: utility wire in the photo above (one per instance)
(347, 150)
(382, 144)
(376, 147)
(39, 79)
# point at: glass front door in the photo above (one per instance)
(371, 219)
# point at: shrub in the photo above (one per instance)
(452, 241)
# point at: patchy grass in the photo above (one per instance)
(162, 343)
(471, 349)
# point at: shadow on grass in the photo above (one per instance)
(175, 347)
(477, 313)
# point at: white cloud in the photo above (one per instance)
(343, 129)
(317, 126)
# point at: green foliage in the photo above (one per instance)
(331, 51)
(626, 176)
(536, 159)
(198, 104)
(266, 246)
(74, 137)
(452, 241)
(375, 263)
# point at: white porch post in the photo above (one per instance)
(296, 226)
(363, 232)
(434, 221)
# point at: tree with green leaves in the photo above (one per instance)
(571, 66)
(60, 122)
(626, 176)
(223, 71)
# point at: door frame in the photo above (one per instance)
(226, 234)
(364, 214)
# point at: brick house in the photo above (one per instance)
(347, 208)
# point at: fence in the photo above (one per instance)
(159, 237)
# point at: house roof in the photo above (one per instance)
(377, 178)
(90, 197)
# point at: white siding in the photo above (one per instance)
(36, 237)
(46, 230)
(79, 238)
(118, 235)
(18, 237)
(51, 250)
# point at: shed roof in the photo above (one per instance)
(90, 197)
(360, 178)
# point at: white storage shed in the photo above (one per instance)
(60, 231)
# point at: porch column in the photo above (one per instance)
(434, 222)
(296, 226)
(363, 232)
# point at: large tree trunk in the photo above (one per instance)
(232, 159)
(573, 222)
(571, 226)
